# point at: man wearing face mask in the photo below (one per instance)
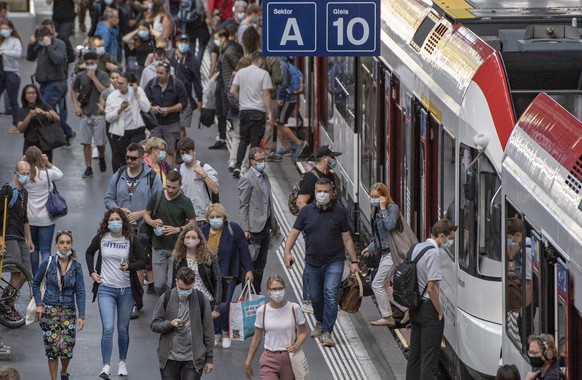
(18, 242)
(326, 232)
(149, 72)
(427, 319)
(252, 18)
(240, 12)
(85, 92)
(172, 211)
(104, 61)
(256, 210)
(188, 71)
(326, 160)
(199, 180)
(183, 318)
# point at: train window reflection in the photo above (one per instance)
(447, 184)
(371, 139)
(341, 90)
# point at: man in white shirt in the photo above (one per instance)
(199, 180)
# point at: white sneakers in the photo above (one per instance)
(226, 342)
(306, 306)
(122, 371)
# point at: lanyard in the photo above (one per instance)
(61, 277)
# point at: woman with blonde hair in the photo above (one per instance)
(385, 216)
(226, 239)
(191, 251)
(42, 226)
(161, 20)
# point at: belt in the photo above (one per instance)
(276, 352)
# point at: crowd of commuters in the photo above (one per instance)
(164, 221)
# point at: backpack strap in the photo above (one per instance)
(14, 195)
(157, 202)
(424, 250)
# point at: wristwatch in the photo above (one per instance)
(355, 262)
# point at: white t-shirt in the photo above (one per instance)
(193, 187)
(113, 250)
(38, 196)
(279, 327)
(251, 82)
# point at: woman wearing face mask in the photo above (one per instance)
(115, 282)
(59, 319)
(543, 357)
(155, 149)
(279, 320)
(141, 42)
(10, 50)
(226, 239)
(33, 115)
(42, 227)
(385, 215)
(191, 251)
(162, 22)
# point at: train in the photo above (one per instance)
(432, 117)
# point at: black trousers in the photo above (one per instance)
(119, 145)
(425, 342)
(261, 239)
(252, 129)
(175, 370)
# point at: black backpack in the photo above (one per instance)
(191, 12)
(405, 281)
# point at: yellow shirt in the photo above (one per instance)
(213, 241)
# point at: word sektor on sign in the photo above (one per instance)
(322, 28)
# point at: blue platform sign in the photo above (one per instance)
(321, 28)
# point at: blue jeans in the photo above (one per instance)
(324, 284)
(110, 300)
(11, 83)
(42, 237)
(52, 93)
(222, 322)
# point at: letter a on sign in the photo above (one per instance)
(292, 33)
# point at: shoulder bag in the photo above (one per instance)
(56, 205)
(401, 239)
(31, 314)
(351, 294)
(51, 136)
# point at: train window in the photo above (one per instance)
(370, 137)
(480, 241)
(341, 91)
(446, 181)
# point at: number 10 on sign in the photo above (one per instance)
(349, 25)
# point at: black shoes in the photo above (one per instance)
(220, 144)
(70, 137)
(88, 173)
(102, 164)
(236, 173)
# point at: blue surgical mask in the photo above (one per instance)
(261, 166)
(143, 34)
(511, 244)
(41, 42)
(100, 50)
(115, 225)
(64, 255)
(322, 198)
(108, 2)
(375, 202)
(92, 67)
(184, 293)
(23, 179)
(157, 62)
(150, 7)
(187, 158)
(333, 164)
(277, 295)
(240, 15)
(216, 223)
(448, 244)
(162, 155)
(183, 48)
(5, 33)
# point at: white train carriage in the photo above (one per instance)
(542, 185)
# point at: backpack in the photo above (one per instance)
(151, 176)
(405, 281)
(292, 201)
(191, 12)
(296, 78)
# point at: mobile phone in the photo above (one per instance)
(291, 262)
(121, 263)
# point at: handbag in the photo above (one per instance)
(51, 136)
(149, 119)
(243, 313)
(401, 239)
(351, 294)
(31, 314)
(56, 206)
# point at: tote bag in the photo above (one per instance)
(298, 360)
(56, 206)
(51, 136)
(31, 315)
(401, 239)
(243, 313)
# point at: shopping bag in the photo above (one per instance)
(243, 313)
(31, 315)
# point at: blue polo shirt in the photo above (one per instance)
(323, 233)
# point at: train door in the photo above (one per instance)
(412, 170)
(395, 116)
(372, 138)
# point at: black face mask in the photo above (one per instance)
(562, 361)
(536, 361)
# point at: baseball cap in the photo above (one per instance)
(183, 36)
(326, 150)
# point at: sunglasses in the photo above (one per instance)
(64, 232)
(131, 158)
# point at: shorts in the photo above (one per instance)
(186, 116)
(93, 130)
(17, 250)
(170, 133)
(285, 112)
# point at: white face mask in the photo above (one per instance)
(100, 50)
(187, 158)
(277, 295)
(322, 198)
(191, 243)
